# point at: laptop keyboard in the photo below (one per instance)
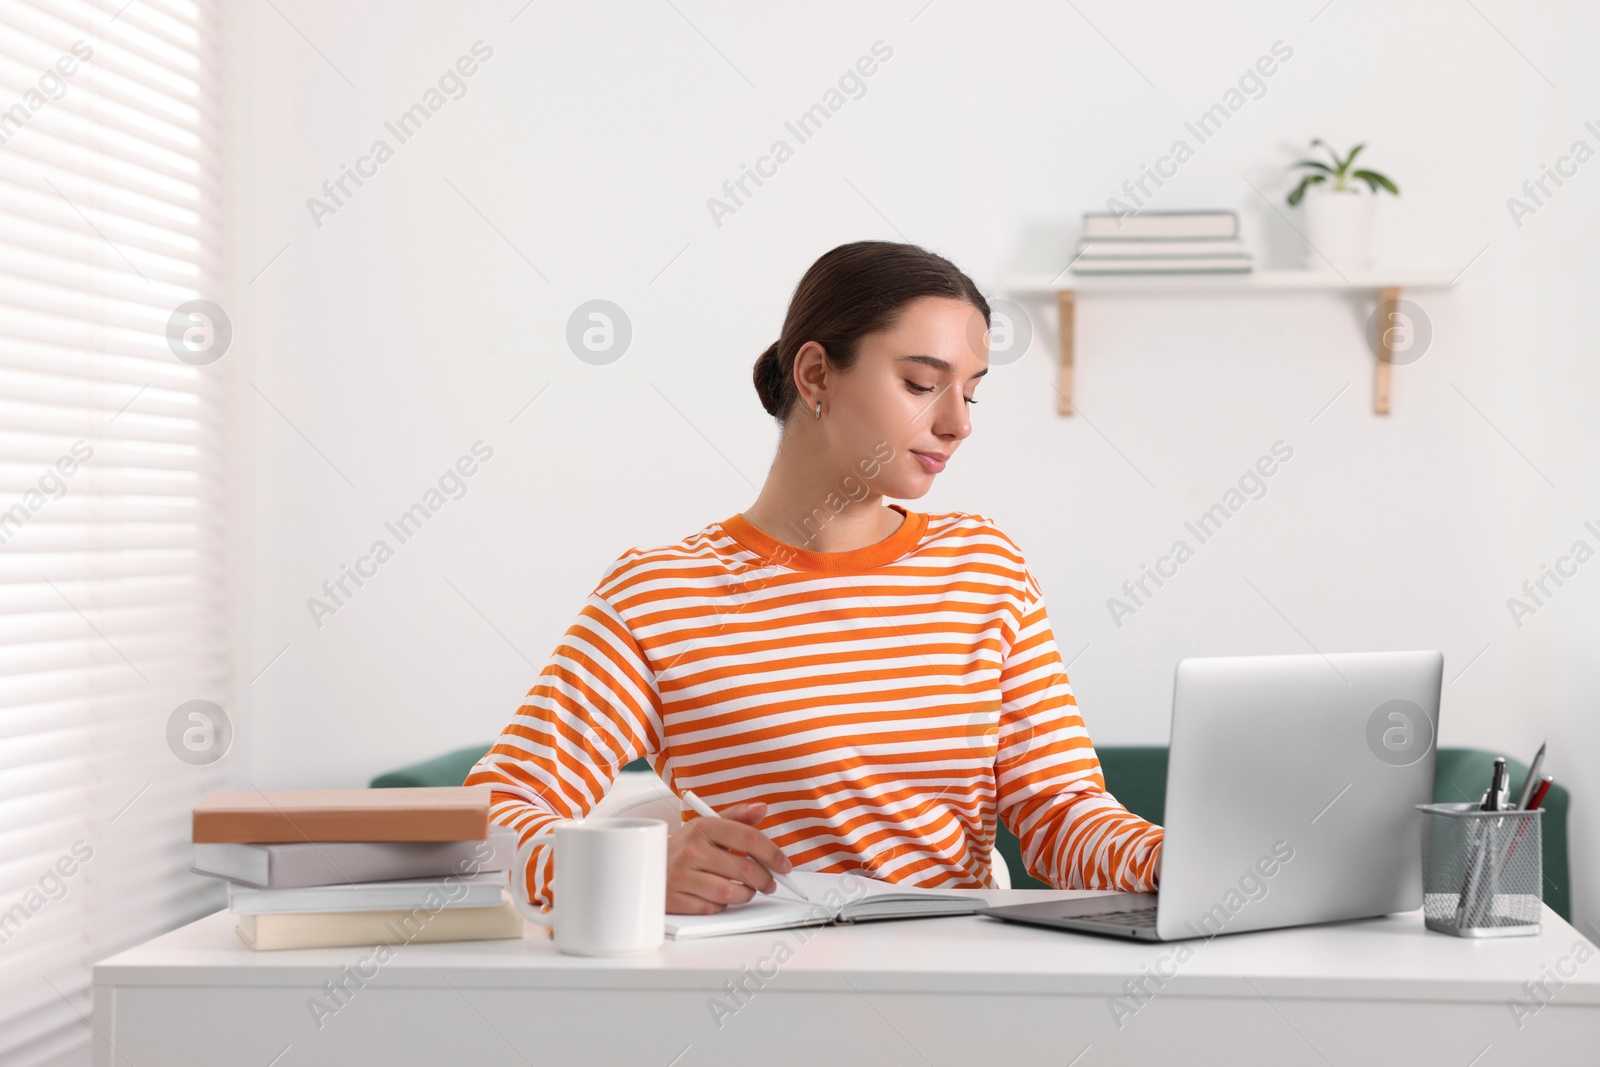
(1128, 917)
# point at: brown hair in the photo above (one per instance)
(853, 290)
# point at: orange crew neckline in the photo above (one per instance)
(888, 550)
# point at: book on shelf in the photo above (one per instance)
(1150, 246)
(424, 813)
(464, 891)
(1166, 265)
(294, 864)
(1160, 224)
(338, 929)
(836, 899)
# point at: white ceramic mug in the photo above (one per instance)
(610, 886)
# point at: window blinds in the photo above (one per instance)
(113, 515)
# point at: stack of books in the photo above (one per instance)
(317, 868)
(1162, 242)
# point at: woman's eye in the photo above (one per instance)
(921, 389)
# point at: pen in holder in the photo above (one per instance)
(1482, 871)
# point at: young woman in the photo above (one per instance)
(854, 687)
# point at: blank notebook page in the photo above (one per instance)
(829, 893)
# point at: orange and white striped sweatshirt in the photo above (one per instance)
(886, 703)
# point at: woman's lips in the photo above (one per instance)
(932, 464)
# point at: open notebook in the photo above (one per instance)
(835, 899)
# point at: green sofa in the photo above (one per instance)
(1137, 776)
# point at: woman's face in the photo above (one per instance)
(897, 417)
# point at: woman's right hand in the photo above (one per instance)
(709, 864)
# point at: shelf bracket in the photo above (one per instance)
(1066, 300)
(1383, 344)
(1385, 354)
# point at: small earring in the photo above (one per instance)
(819, 409)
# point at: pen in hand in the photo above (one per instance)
(702, 808)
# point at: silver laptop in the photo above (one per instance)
(1291, 782)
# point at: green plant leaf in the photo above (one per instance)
(1300, 190)
(1313, 164)
(1376, 180)
(1337, 164)
(1351, 158)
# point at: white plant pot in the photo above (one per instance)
(1339, 227)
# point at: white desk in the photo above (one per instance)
(964, 990)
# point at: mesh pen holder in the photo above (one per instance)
(1482, 871)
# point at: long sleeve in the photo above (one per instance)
(594, 708)
(1050, 791)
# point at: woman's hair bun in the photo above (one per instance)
(851, 291)
(769, 379)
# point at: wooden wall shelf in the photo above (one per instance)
(1384, 285)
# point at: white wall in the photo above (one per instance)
(384, 343)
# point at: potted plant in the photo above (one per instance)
(1338, 211)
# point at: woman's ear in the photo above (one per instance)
(811, 374)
